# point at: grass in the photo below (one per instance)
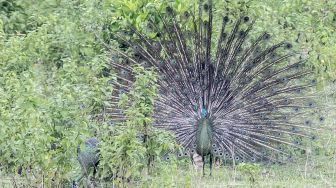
(315, 169)
(308, 171)
(318, 173)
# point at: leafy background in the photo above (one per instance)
(54, 77)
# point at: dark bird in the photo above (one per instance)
(88, 158)
(222, 92)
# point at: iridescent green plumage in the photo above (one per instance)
(204, 137)
(204, 140)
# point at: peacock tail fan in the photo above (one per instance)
(257, 96)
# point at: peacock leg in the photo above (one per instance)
(203, 165)
(192, 159)
(94, 171)
(210, 164)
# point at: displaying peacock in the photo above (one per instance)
(221, 92)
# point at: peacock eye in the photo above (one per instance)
(266, 36)
(226, 19)
(288, 45)
(296, 109)
(321, 119)
(311, 104)
(307, 122)
(299, 91)
(284, 80)
(111, 123)
(206, 7)
(241, 34)
(169, 9)
(186, 14)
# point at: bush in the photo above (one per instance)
(129, 147)
(250, 170)
(50, 85)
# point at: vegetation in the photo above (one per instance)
(136, 142)
(50, 84)
(54, 84)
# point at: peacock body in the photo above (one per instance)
(230, 96)
(88, 158)
(204, 137)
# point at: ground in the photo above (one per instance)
(316, 171)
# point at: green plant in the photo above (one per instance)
(121, 155)
(131, 146)
(250, 170)
(50, 85)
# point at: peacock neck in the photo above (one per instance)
(204, 137)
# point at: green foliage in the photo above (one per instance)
(167, 171)
(142, 96)
(50, 84)
(250, 170)
(128, 147)
(122, 154)
(12, 15)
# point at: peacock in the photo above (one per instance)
(221, 91)
(88, 158)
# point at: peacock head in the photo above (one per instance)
(203, 112)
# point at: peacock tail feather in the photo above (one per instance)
(227, 94)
